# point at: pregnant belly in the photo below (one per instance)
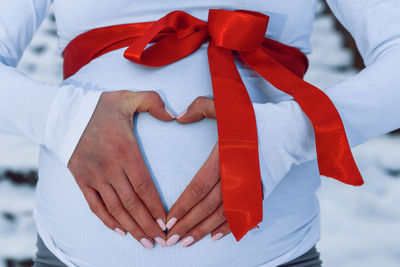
(173, 154)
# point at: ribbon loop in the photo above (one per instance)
(178, 32)
(237, 30)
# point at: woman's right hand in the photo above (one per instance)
(108, 166)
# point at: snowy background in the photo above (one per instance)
(360, 226)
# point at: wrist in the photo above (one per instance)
(68, 117)
(285, 139)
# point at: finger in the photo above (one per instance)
(200, 212)
(202, 107)
(118, 211)
(221, 231)
(97, 206)
(204, 228)
(205, 179)
(135, 167)
(143, 185)
(137, 210)
(150, 101)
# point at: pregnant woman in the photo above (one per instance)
(101, 170)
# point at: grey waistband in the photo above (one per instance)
(44, 258)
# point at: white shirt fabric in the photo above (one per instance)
(56, 116)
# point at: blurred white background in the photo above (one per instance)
(360, 226)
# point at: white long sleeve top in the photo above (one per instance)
(56, 116)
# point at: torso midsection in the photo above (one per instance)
(173, 153)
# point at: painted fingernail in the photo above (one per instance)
(171, 223)
(119, 231)
(187, 241)
(161, 224)
(170, 113)
(172, 240)
(180, 115)
(146, 243)
(217, 236)
(161, 241)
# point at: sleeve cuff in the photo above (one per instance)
(68, 118)
(285, 139)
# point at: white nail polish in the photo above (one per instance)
(119, 231)
(187, 241)
(217, 236)
(146, 243)
(171, 223)
(172, 240)
(180, 115)
(161, 224)
(161, 241)
(170, 113)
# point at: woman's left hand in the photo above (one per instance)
(199, 210)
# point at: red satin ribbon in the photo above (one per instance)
(179, 34)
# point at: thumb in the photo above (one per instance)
(150, 101)
(202, 107)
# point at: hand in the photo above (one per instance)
(199, 210)
(109, 168)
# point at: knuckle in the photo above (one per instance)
(122, 93)
(199, 190)
(107, 167)
(115, 209)
(215, 166)
(103, 165)
(149, 229)
(142, 187)
(94, 207)
(116, 95)
(180, 211)
(135, 232)
(123, 148)
(200, 101)
(198, 233)
(208, 206)
(100, 184)
(179, 229)
(152, 96)
(131, 204)
(221, 214)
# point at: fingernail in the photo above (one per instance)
(187, 241)
(161, 224)
(172, 240)
(217, 236)
(171, 223)
(119, 231)
(180, 115)
(160, 241)
(170, 112)
(146, 243)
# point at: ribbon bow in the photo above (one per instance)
(179, 34)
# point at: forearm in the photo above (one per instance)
(366, 102)
(54, 116)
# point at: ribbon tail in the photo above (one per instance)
(335, 159)
(238, 146)
(95, 43)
